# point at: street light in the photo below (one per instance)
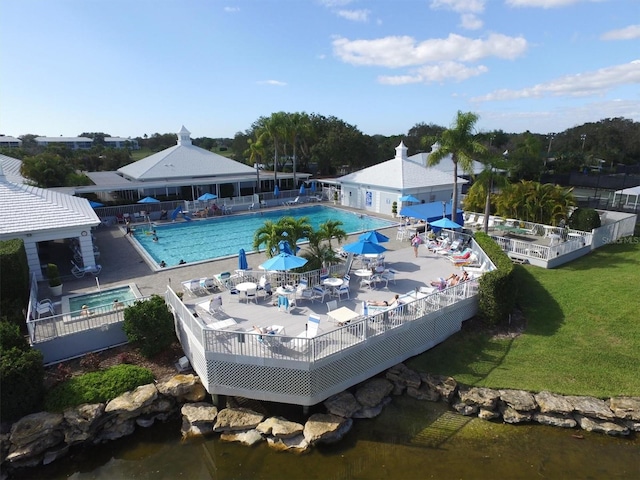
(551, 137)
(583, 137)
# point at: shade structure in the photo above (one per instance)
(207, 196)
(363, 247)
(302, 189)
(242, 260)
(95, 204)
(283, 262)
(409, 198)
(276, 191)
(430, 212)
(445, 222)
(148, 200)
(373, 236)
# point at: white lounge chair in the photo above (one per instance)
(194, 287)
(80, 272)
(295, 201)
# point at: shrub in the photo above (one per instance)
(14, 287)
(497, 289)
(21, 375)
(149, 325)
(53, 274)
(584, 219)
(97, 387)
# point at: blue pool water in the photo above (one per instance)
(106, 297)
(224, 236)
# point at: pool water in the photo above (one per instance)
(125, 294)
(202, 240)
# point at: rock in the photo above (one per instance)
(372, 412)
(280, 427)
(511, 415)
(632, 425)
(403, 376)
(145, 421)
(184, 388)
(423, 393)
(601, 426)
(553, 403)
(130, 404)
(342, 404)
(297, 443)
(464, 409)
(518, 400)
(591, 407)
(34, 427)
(326, 428)
(82, 422)
(554, 419)
(247, 437)
(231, 419)
(115, 428)
(480, 396)
(445, 386)
(52, 455)
(372, 392)
(488, 414)
(33, 450)
(626, 408)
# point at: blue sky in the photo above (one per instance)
(130, 67)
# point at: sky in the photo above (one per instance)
(134, 67)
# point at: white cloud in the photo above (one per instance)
(459, 6)
(355, 15)
(276, 83)
(628, 33)
(435, 73)
(470, 21)
(334, 3)
(404, 51)
(542, 3)
(579, 85)
(231, 9)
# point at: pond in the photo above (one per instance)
(410, 439)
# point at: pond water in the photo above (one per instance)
(411, 440)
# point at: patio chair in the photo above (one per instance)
(320, 291)
(388, 276)
(295, 201)
(332, 305)
(342, 290)
(194, 287)
(80, 272)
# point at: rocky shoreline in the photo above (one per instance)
(41, 438)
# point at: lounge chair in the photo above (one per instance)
(194, 287)
(295, 201)
(80, 272)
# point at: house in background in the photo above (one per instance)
(119, 143)
(9, 142)
(375, 188)
(72, 143)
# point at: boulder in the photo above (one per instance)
(116, 427)
(297, 443)
(480, 396)
(464, 409)
(34, 427)
(326, 428)
(488, 414)
(372, 392)
(246, 437)
(511, 415)
(554, 419)
(601, 426)
(280, 427)
(54, 454)
(198, 419)
(131, 404)
(518, 400)
(82, 422)
(342, 404)
(553, 403)
(184, 388)
(591, 407)
(626, 408)
(424, 392)
(403, 376)
(237, 419)
(445, 386)
(372, 412)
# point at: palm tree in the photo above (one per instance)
(255, 152)
(268, 235)
(487, 180)
(295, 229)
(332, 229)
(458, 141)
(318, 253)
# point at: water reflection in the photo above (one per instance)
(411, 439)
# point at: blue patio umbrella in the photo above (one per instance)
(373, 236)
(409, 198)
(148, 200)
(242, 260)
(284, 262)
(445, 222)
(313, 187)
(302, 190)
(95, 204)
(364, 247)
(207, 196)
(276, 191)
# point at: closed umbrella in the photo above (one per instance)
(283, 262)
(373, 236)
(242, 260)
(207, 196)
(302, 190)
(276, 191)
(148, 200)
(364, 247)
(313, 187)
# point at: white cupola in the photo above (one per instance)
(401, 151)
(184, 136)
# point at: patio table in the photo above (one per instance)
(342, 315)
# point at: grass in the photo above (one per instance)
(582, 333)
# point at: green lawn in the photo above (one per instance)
(582, 335)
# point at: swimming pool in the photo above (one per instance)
(202, 240)
(126, 294)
